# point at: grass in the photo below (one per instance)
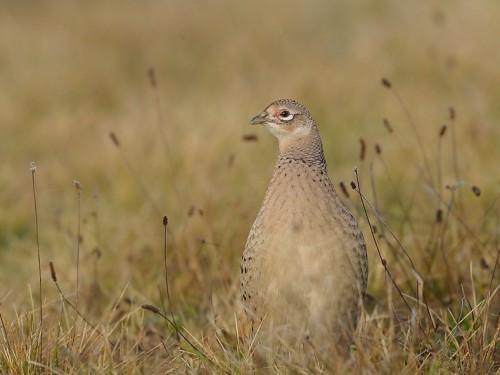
(94, 281)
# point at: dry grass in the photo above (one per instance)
(74, 73)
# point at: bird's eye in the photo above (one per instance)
(285, 115)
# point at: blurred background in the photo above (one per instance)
(176, 82)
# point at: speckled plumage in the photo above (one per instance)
(304, 269)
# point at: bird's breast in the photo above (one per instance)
(300, 199)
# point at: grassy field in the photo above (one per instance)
(176, 83)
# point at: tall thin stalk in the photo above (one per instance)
(40, 301)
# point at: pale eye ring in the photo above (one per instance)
(285, 115)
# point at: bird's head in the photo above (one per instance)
(286, 119)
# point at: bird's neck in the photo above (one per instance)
(308, 149)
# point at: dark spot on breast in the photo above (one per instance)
(296, 227)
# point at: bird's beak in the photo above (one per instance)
(259, 119)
